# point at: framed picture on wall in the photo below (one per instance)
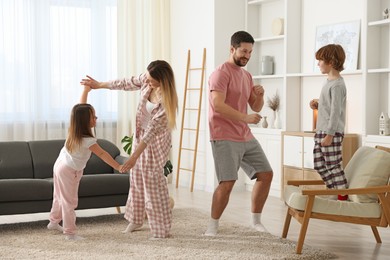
(346, 34)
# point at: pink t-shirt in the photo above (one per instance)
(237, 83)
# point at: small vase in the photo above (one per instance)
(265, 123)
(277, 124)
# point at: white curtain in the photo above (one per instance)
(46, 47)
(144, 36)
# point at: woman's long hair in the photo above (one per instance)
(80, 126)
(162, 72)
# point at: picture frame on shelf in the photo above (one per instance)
(346, 34)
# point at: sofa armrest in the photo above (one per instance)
(121, 160)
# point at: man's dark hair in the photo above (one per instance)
(239, 37)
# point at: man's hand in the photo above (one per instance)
(258, 91)
(252, 119)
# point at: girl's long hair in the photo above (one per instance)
(80, 126)
(162, 72)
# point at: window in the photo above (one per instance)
(46, 48)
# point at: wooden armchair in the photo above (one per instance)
(368, 175)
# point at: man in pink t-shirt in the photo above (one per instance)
(234, 146)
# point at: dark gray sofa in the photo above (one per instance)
(26, 172)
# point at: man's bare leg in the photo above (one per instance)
(259, 196)
(220, 200)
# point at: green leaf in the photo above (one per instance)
(128, 144)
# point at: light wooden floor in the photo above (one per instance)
(346, 240)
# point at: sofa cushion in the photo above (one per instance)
(368, 167)
(95, 165)
(26, 190)
(44, 154)
(15, 161)
(104, 184)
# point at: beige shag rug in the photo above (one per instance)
(104, 240)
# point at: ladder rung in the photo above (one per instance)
(188, 149)
(195, 69)
(190, 170)
(193, 88)
(190, 129)
(193, 109)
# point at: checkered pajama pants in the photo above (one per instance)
(328, 159)
(149, 193)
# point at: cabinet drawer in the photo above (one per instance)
(308, 146)
(292, 151)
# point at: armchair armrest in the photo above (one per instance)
(367, 190)
(305, 182)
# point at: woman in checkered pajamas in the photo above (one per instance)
(156, 117)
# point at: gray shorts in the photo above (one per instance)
(229, 156)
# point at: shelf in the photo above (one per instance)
(384, 70)
(260, 130)
(276, 76)
(271, 38)
(318, 74)
(379, 23)
(259, 2)
(382, 139)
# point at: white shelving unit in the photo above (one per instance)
(293, 51)
(285, 50)
(377, 91)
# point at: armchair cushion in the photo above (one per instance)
(294, 199)
(368, 167)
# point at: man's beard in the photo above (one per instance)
(240, 61)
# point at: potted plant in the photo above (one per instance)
(274, 103)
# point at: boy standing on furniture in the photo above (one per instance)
(331, 119)
(69, 166)
(234, 146)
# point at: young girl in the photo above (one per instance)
(68, 169)
(156, 117)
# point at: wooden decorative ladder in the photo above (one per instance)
(191, 70)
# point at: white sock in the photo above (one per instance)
(256, 222)
(212, 228)
(73, 237)
(256, 218)
(55, 226)
(132, 227)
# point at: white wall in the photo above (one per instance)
(191, 29)
(198, 24)
(316, 13)
(324, 12)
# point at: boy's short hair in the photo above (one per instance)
(332, 54)
(239, 37)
